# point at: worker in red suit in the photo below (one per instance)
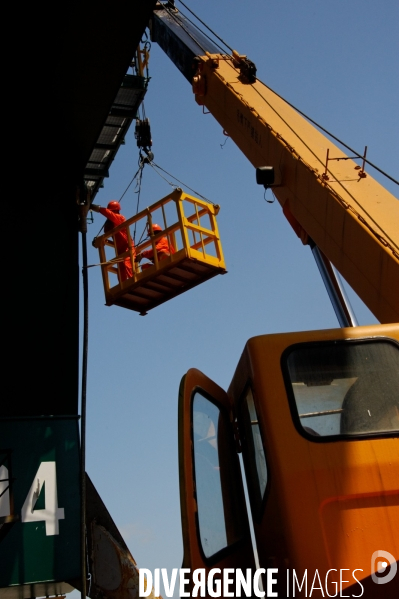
(114, 218)
(163, 247)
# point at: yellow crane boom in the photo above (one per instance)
(326, 195)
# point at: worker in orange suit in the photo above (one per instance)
(163, 247)
(115, 218)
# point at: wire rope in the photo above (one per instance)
(156, 166)
(342, 143)
(332, 174)
(205, 25)
(138, 185)
(141, 166)
(142, 108)
(287, 124)
(83, 417)
(176, 19)
(330, 134)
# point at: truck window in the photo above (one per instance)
(253, 453)
(219, 501)
(344, 388)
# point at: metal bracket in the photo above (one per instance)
(246, 66)
(361, 169)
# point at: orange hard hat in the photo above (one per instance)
(114, 206)
(155, 228)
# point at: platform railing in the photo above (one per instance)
(187, 234)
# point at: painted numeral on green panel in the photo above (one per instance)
(51, 514)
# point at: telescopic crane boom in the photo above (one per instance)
(329, 199)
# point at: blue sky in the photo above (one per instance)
(337, 62)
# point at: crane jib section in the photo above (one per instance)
(347, 214)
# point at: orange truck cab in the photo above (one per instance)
(315, 416)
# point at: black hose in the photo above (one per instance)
(83, 417)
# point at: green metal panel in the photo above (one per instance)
(41, 456)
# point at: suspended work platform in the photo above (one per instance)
(190, 230)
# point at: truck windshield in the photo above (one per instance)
(345, 388)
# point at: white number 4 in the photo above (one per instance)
(51, 513)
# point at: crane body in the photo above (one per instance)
(315, 414)
(327, 196)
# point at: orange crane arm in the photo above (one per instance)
(351, 218)
(325, 195)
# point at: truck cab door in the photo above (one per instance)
(215, 525)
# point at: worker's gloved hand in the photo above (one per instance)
(95, 208)
(93, 243)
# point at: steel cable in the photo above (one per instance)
(176, 19)
(284, 100)
(83, 416)
(155, 166)
(205, 25)
(330, 134)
